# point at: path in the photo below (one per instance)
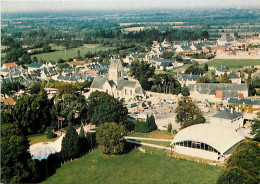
(148, 139)
(150, 145)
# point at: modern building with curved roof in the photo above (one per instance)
(206, 141)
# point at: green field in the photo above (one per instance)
(134, 167)
(66, 54)
(159, 134)
(40, 138)
(233, 63)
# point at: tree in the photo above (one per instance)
(16, 163)
(256, 128)
(35, 88)
(83, 147)
(185, 91)
(203, 79)
(137, 68)
(70, 144)
(204, 35)
(103, 107)
(225, 78)
(26, 59)
(144, 82)
(8, 87)
(32, 113)
(169, 128)
(46, 48)
(65, 88)
(194, 69)
(167, 55)
(110, 138)
(206, 67)
(50, 134)
(243, 165)
(187, 113)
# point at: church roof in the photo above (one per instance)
(126, 83)
(98, 82)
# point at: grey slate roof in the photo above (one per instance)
(233, 76)
(188, 77)
(244, 100)
(35, 65)
(166, 63)
(229, 90)
(126, 83)
(222, 69)
(227, 114)
(98, 82)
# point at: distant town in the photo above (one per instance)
(127, 97)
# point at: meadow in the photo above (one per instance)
(66, 54)
(37, 138)
(134, 167)
(233, 63)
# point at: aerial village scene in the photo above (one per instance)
(130, 91)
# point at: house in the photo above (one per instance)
(52, 64)
(221, 70)
(116, 85)
(36, 66)
(8, 101)
(166, 64)
(215, 92)
(229, 118)
(226, 39)
(186, 79)
(176, 64)
(206, 141)
(246, 105)
(9, 65)
(235, 79)
(183, 48)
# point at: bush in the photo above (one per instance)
(169, 128)
(50, 134)
(146, 126)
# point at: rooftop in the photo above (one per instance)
(228, 114)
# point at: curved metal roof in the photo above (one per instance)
(219, 137)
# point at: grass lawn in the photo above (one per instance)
(233, 63)
(40, 138)
(157, 134)
(66, 54)
(134, 167)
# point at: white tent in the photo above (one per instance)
(206, 141)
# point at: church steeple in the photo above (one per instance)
(116, 70)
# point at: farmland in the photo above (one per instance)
(233, 63)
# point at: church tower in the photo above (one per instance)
(116, 70)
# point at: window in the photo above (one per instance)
(131, 92)
(125, 92)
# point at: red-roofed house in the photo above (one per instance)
(9, 65)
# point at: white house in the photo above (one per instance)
(235, 79)
(229, 118)
(36, 66)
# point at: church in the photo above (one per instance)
(116, 85)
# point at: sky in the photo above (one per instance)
(59, 5)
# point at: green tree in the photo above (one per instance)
(16, 163)
(203, 79)
(46, 48)
(206, 67)
(187, 113)
(194, 69)
(110, 138)
(32, 113)
(70, 144)
(35, 88)
(83, 147)
(50, 134)
(204, 35)
(65, 88)
(225, 78)
(167, 55)
(144, 82)
(102, 108)
(169, 128)
(137, 68)
(185, 91)
(25, 59)
(256, 128)
(243, 165)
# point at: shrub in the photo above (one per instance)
(50, 134)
